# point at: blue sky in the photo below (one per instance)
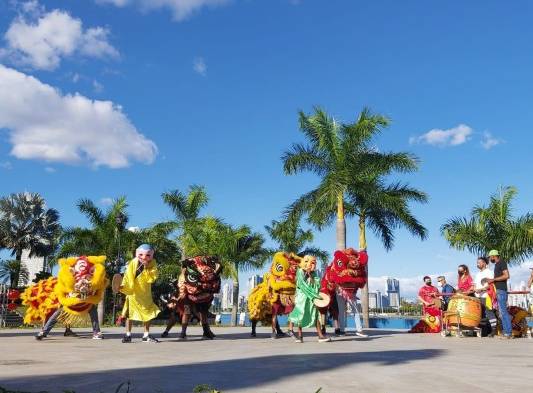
(208, 94)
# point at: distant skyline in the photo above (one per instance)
(103, 98)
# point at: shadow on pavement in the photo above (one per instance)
(228, 374)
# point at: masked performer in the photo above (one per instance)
(78, 289)
(428, 296)
(197, 285)
(343, 277)
(140, 274)
(275, 295)
(305, 314)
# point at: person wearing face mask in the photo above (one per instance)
(465, 283)
(428, 295)
(445, 288)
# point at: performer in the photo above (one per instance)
(275, 295)
(140, 274)
(428, 296)
(76, 293)
(198, 282)
(305, 313)
(343, 277)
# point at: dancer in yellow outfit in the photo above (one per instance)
(140, 274)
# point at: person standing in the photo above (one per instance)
(140, 274)
(481, 290)
(501, 275)
(465, 283)
(447, 289)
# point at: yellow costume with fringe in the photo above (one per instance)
(81, 283)
(139, 305)
(40, 300)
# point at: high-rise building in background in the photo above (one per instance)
(393, 292)
(254, 281)
(33, 264)
(226, 296)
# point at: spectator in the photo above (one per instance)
(501, 275)
(481, 288)
(465, 283)
(445, 288)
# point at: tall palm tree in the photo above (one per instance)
(330, 146)
(27, 224)
(352, 175)
(292, 238)
(14, 272)
(186, 208)
(493, 227)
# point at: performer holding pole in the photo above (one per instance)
(140, 274)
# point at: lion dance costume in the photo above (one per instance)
(344, 276)
(275, 295)
(197, 285)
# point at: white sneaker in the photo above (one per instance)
(98, 336)
(324, 340)
(361, 334)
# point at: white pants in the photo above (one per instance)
(341, 301)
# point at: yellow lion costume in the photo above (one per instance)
(80, 285)
(275, 295)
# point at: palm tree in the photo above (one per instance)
(26, 224)
(352, 174)
(13, 271)
(186, 208)
(330, 147)
(292, 238)
(493, 227)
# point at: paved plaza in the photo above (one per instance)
(387, 361)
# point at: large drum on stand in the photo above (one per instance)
(464, 311)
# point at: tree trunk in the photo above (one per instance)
(341, 223)
(364, 291)
(235, 300)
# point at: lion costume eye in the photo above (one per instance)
(279, 268)
(192, 278)
(339, 263)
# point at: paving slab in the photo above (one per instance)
(385, 362)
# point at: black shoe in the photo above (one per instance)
(182, 336)
(253, 334)
(40, 336)
(164, 334)
(69, 333)
(339, 332)
(126, 339)
(150, 339)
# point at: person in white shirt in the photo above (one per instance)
(481, 286)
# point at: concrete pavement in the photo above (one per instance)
(386, 362)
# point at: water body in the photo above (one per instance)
(375, 322)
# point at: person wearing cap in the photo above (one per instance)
(501, 275)
(140, 274)
(445, 288)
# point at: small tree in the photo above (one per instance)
(14, 272)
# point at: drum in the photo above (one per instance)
(465, 309)
(116, 282)
(323, 301)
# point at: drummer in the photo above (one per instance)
(481, 291)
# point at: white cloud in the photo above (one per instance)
(44, 124)
(6, 165)
(106, 201)
(75, 77)
(181, 9)
(97, 86)
(49, 169)
(41, 40)
(450, 137)
(489, 141)
(199, 66)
